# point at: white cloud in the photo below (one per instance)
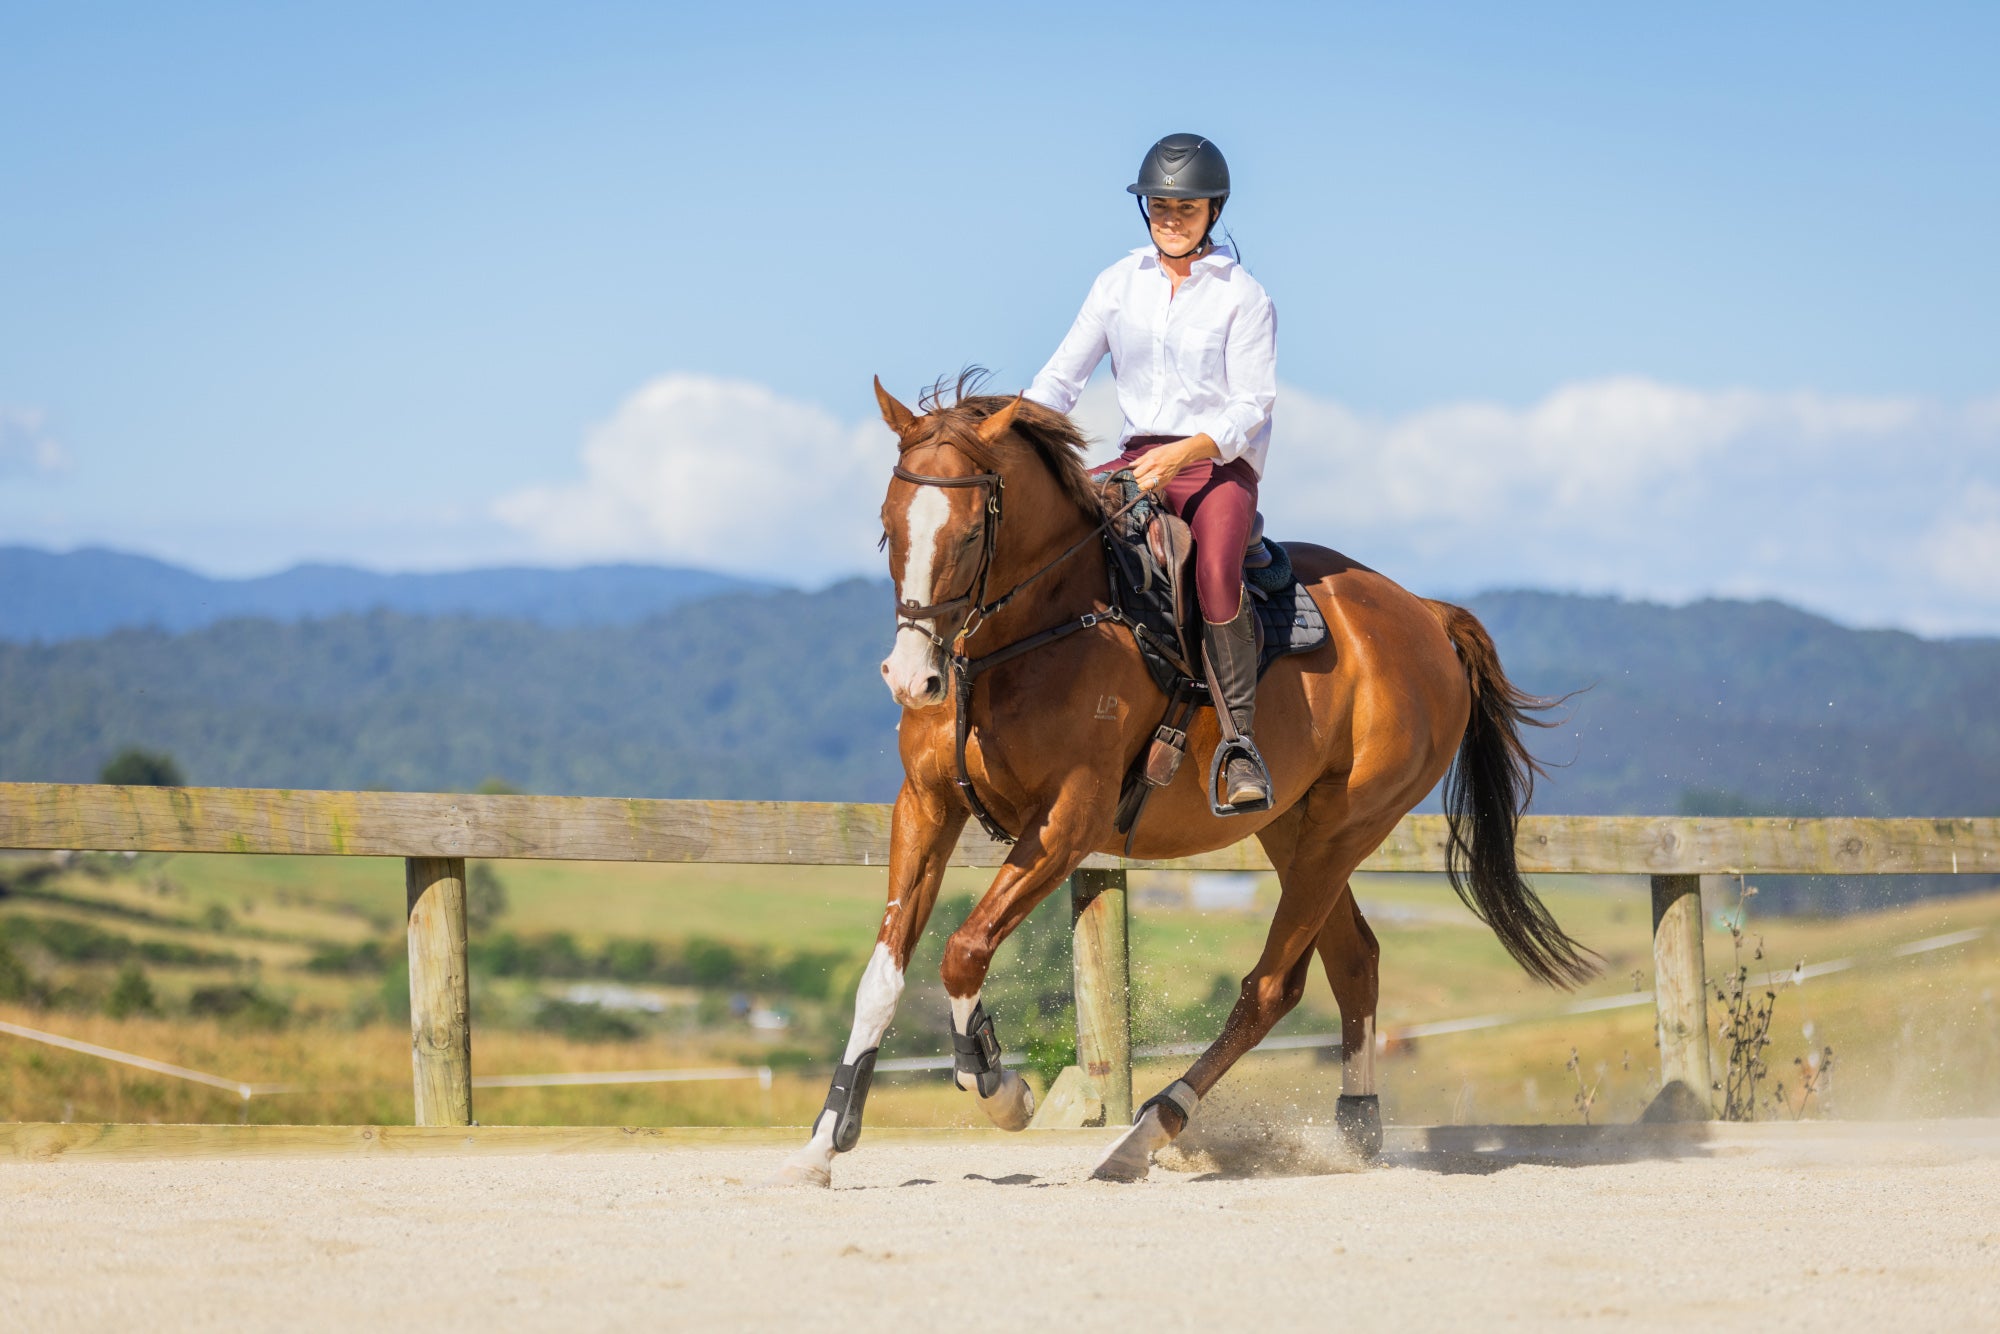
(1963, 546)
(718, 473)
(1587, 450)
(1874, 510)
(1631, 486)
(26, 446)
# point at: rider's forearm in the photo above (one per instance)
(1198, 447)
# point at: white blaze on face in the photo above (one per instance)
(912, 664)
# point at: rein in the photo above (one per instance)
(909, 613)
(965, 670)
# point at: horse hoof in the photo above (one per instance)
(1359, 1119)
(1127, 1161)
(1012, 1105)
(1131, 1158)
(1121, 1168)
(795, 1174)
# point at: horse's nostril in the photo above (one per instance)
(933, 684)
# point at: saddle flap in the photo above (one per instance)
(1171, 543)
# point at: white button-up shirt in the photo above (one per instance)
(1204, 359)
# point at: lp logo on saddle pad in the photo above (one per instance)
(1107, 708)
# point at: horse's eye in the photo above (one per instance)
(965, 543)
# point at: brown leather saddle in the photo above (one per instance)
(1170, 542)
(1150, 558)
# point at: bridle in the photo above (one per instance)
(909, 615)
(965, 670)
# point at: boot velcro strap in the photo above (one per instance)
(976, 1051)
(847, 1097)
(1179, 1095)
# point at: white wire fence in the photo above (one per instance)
(1327, 1043)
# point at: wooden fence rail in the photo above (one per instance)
(436, 832)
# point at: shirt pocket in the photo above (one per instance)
(1197, 358)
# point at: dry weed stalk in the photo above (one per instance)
(1746, 1021)
(1815, 1076)
(1586, 1095)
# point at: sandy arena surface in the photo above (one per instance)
(1863, 1227)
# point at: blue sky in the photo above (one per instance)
(1667, 303)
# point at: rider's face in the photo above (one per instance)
(1177, 224)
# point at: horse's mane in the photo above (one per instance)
(1054, 437)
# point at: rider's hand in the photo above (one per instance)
(1156, 467)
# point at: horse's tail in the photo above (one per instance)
(1490, 784)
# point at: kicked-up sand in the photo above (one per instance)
(1815, 1226)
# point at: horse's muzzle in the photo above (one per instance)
(915, 672)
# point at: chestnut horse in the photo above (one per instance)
(1355, 734)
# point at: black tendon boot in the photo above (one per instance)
(1237, 780)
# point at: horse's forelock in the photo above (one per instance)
(1050, 435)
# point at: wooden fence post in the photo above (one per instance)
(440, 997)
(1103, 966)
(1680, 997)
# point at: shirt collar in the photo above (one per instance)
(1220, 256)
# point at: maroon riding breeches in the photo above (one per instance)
(1219, 502)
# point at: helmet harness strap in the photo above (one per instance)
(1200, 247)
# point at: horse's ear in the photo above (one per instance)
(894, 413)
(996, 426)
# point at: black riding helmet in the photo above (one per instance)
(1183, 166)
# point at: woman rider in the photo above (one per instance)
(1193, 344)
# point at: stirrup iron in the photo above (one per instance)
(1237, 747)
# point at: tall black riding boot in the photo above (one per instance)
(1230, 648)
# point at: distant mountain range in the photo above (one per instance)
(327, 676)
(766, 695)
(47, 597)
(554, 682)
